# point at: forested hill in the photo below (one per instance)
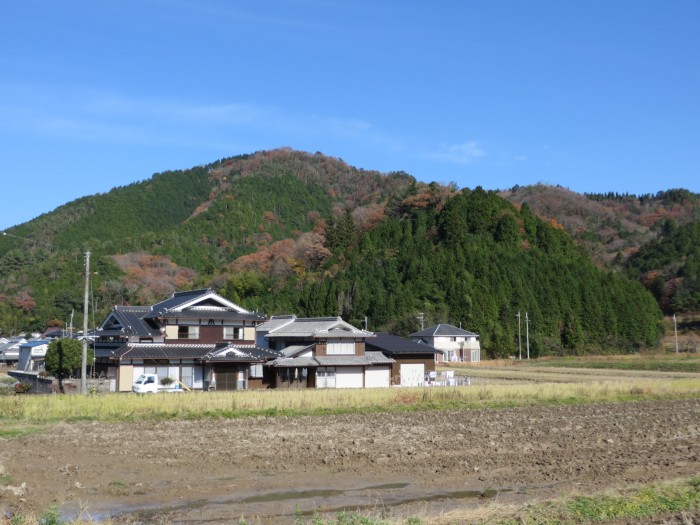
(286, 231)
(670, 267)
(611, 226)
(651, 238)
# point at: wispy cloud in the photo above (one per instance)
(465, 153)
(90, 116)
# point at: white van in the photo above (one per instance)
(149, 384)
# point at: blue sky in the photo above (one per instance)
(593, 95)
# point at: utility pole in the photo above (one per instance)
(421, 318)
(520, 345)
(365, 323)
(675, 331)
(83, 366)
(527, 334)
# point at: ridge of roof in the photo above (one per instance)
(200, 291)
(443, 329)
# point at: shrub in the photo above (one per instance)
(22, 387)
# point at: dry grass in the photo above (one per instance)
(191, 405)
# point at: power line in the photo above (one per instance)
(5, 234)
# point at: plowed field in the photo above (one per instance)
(397, 464)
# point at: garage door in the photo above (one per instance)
(377, 376)
(412, 374)
(348, 377)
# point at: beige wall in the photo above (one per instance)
(126, 378)
(249, 333)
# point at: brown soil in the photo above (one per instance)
(398, 464)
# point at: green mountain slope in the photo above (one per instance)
(470, 259)
(287, 231)
(670, 267)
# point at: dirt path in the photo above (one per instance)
(403, 463)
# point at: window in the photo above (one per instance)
(187, 374)
(325, 377)
(256, 370)
(188, 332)
(339, 346)
(233, 332)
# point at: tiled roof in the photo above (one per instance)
(179, 298)
(56, 333)
(275, 322)
(193, 299)
(370, 359)
(443, 330)
(213, 313)
(131, 320)
(352, 360)
(395, 345)
(312, 327)
(162, 351)
(379, 358)
(13, 344)
(289, 362)
(245, 353)
(293, 350)
(203, 352)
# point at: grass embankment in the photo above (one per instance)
(36, 410)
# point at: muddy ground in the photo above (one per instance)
(401, 464)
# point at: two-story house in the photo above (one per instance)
(456, 344)
(322, 352)
(197, 338)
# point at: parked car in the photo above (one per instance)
(149, 384)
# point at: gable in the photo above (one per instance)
(196, 299)
(111, 323)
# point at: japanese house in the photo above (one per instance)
(322, 352)
(197, 338)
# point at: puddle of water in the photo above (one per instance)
(435, 496)
(323, 501)
(387, 486)
(282, 496)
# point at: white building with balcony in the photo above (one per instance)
(457, 345)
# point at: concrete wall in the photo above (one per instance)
(40, 385)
